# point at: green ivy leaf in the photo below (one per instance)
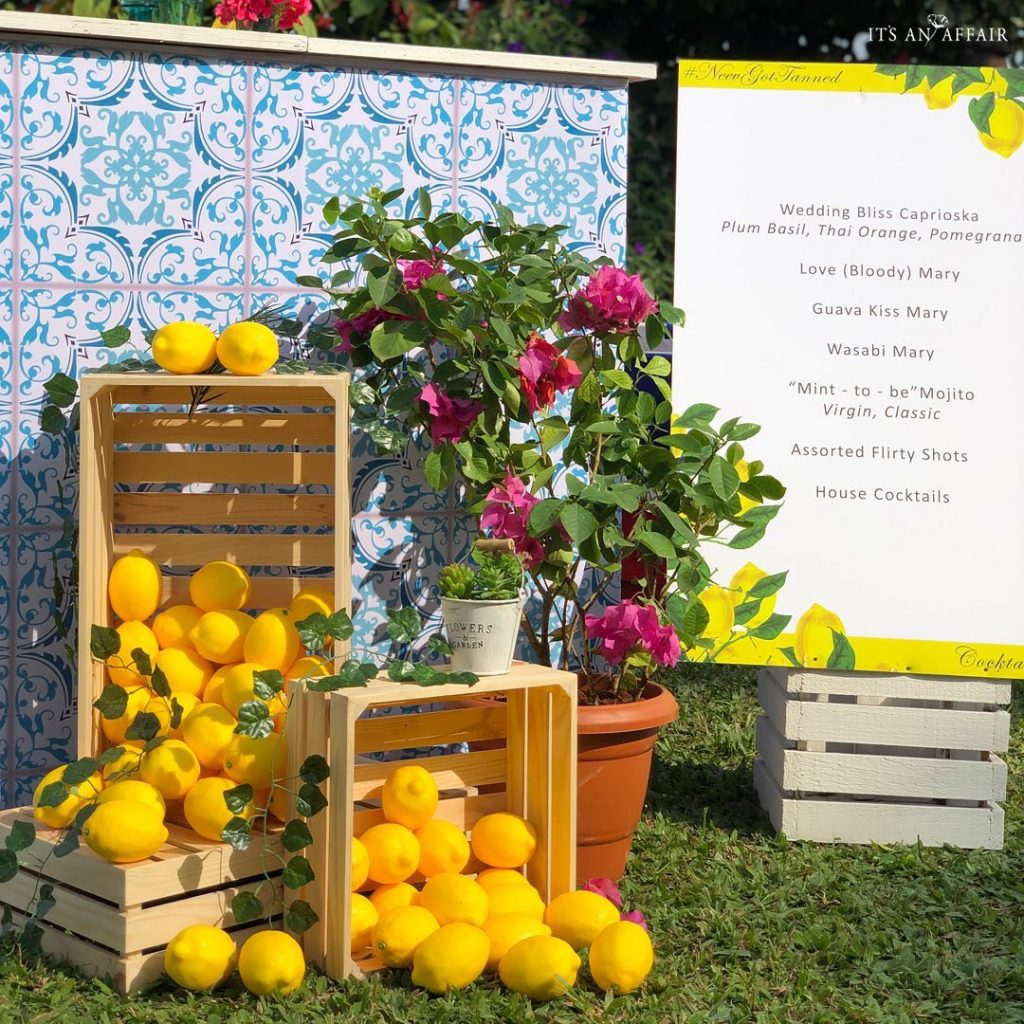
(53, 795)
(331, 209)
(246, 906)
(21, 836)
(68, 843)
(52, 420)
(310, 801)
(313, 632)
(158, 682)
(238, 799)
(115, 337)
(401, 671)
(267, 683)
(144, 726)
(404, 625)
(296, 836)
(80, 771)
(438, 644)
(61, 390)
(308, 281)
(236, 833)
(300, 917)
(110, 755)
(112, 702)
(339, 625)
(104, 642)
(254, 720)
(297, 872)
(8, 865)
(314, 769)
(46, 902)
(141, 661)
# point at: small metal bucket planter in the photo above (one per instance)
(482, 634)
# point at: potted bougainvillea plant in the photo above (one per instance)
(529, 368)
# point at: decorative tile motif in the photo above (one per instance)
(141, 187)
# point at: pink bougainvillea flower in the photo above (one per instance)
(544, 372)
(449, 417)
(636, 917)
(613, 302)
(360, 326)
(605, 887)
(415, 272)
(626, 627)
(506, 515)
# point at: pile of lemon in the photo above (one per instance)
(246, 349)
(208, 652)
(454, 928)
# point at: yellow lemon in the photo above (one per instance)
(133, 789)
(208, 730)
(79, 795)
(505, 931)
(171, 768)
(814, 639)
(125, 764)
(247, 348)
(309, 667)
(393, 851)
(173, 625)
(220, 636)
(238, 688)
(721, 612)
(115, 728)
(1005, 128)
(541, 967)
(220, 586)
(503, 840)
(363, 916)
(409, 796)
(452, 957)
(491, 878)
(214, 692)
(739, 588)
(121, 666)
(939, 96)
(621, 957)
(360, 865)
(579, 917)
(398, 932)
(515, 898)
(205, 809)
(200, 957)
(743, 472)
(273, 641)
(400, 894)
(124, 831)
(185, 347)
(450, 897)
(186, 671)
(134, 586)
(161, 707)
(443, 847)
(188, 703)
(310, 600)
(271, 962)
(255, 761)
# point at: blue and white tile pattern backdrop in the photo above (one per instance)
(141, 186)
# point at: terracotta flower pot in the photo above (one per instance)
(616, 746)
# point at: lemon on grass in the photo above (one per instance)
(621, 957)
(220, 586)
(205, 809)
(450, 897)
(114, 729)
(393, 851)
(579, 917)
(399, 894)
(360, 865)
(133, 789)
(452, 957)
(505, 931)
(503, 840)
(79, 795)
(255, 761)
(124, 765)
(239, 688)
(491, 878)
(134, 586)
(273, 641)
(398, 932)
(220, 636)
(515, 898)
(121, 666)
(362, 917)
(172, 768)
(186, 670)
(214, 691)
(409, 796)
(271, 962)
(247, 348)
(208, 730)
(173, 625)
(815, 636)
(184, 347)
(541, 967)
(123, 831)
(1005, 127)
(443, 847)
(200, 957)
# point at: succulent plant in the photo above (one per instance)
(456, 581)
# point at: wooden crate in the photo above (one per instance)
(116, 919)
(146, 462)
(520, 729)
(852, 758)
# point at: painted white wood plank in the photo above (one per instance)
(353, 52)
(862, 684)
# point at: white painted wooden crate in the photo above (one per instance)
(852, 758)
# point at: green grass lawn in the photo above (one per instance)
(747, 927)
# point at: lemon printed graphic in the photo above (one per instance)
(721, 612)
(1005, 128)
(739, 587)
(939, 96)
(814, 636)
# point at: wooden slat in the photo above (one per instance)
(224, 467)
(258, 428)
(159, 508)
(225, 393)
(182, 549)
(426, 728)
(267, 591)
(864, 684)
(450, 771)
(463, 811)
